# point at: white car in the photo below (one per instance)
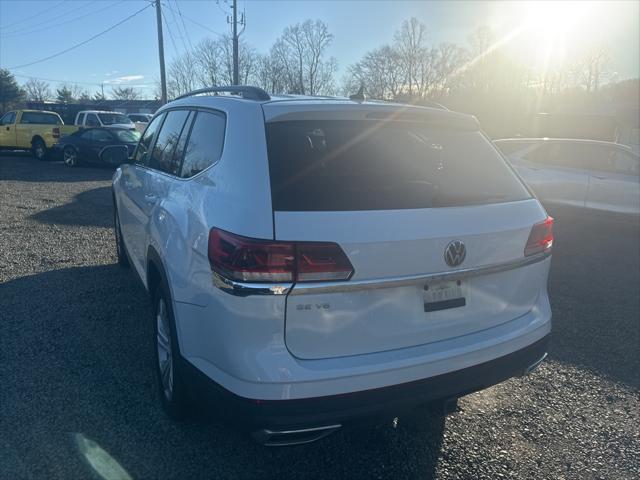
(140, 120)
(315, 260)
(579, 173)
(97, 118)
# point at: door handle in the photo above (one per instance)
(150, 198)
(599, 178)
(8, 128)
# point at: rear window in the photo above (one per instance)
(40, 118)
(342, 165)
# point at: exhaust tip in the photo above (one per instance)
(534, 365)
(284, 438)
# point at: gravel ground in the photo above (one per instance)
(78, 398)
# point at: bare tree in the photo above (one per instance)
(593, 69)
(300, 54)
(181, 75)
(381, 73)
(37, 90)
(410, 44)
(124, 93)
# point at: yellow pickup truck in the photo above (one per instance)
(35, 130)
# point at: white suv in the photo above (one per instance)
(315, 260)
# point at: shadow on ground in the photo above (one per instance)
(85, 385)
(28, 169)
(88, 208)
(593, 288)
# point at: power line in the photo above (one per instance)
(57, 25)
(184, 27)
(82, 43)
(51, 19)
(197, 23)
(173, 42)
(30, 17)
(177, 26)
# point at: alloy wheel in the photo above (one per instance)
(165, 354)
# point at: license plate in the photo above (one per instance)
(443, 295)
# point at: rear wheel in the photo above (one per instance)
(70, 156)
(120, 251)
(39, 149)
(172, 390)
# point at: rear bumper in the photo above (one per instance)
(349, 407)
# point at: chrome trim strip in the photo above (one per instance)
(243, 289)
(349, 286)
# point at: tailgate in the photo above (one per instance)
(401, 280)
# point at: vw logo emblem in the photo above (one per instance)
(455, 253)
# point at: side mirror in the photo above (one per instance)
(115, 155)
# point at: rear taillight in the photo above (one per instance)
(56, 132)
(252, 260)
(540, 238)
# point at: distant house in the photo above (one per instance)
(68, 111)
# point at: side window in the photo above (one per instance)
(80, 119)
(542, 154)
(509, 148)
(8, 118)
(162, 158)
(142, 150)
(102, 136)
(205, 143)
(626, 164)
(88, 135)
(92, 120)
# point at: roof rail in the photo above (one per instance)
(244, 91)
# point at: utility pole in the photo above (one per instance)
(235, 42)
(234, 36)
(163, 78)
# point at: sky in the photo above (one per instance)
(545, 32)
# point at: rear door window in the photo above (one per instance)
(142, 150)
(163, 156)
(582, 156)
(343, 165)
(205, 143)
(80, 119)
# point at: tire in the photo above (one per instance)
(70, 156)
(173, 393)
(123, 260)
(39, 149)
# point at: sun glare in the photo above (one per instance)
(551, 27)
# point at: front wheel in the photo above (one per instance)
(39, 149)
(173, 393)
(70, 156)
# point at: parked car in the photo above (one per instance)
(140, 117)
(578, 173)
(97, 118)
(85, 146)
(141, 120)
(35, 130)
(311, 261)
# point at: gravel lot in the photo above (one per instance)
(77, 390)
